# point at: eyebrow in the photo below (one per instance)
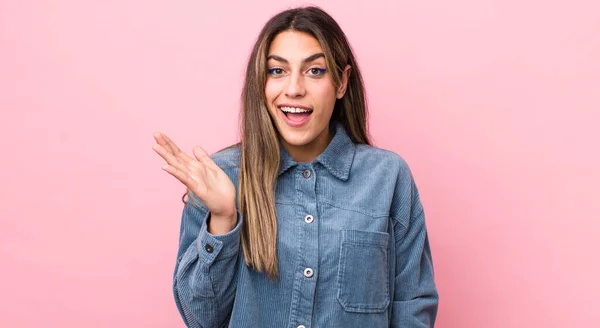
(306, 60)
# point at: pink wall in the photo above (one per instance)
(494, 104)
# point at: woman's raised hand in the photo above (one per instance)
(202, 176)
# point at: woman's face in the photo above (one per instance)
(300, 93)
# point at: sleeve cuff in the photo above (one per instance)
(212, 248)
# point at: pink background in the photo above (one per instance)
(495, 104)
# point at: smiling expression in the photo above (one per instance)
(300, 93)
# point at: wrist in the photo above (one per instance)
(221, 224)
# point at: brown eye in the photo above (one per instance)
(275, 71)
(315, 71)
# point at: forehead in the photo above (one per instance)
(294, 44)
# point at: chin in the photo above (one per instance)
(296, 139)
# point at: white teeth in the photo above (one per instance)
(293, 109)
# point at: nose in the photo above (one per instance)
(295, 86)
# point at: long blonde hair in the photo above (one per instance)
(260, 154)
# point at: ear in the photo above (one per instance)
(341, 91)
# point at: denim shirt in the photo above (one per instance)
(352, 248)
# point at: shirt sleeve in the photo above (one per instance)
(206, 269)
(416, 298)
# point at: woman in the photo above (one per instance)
(326, 230)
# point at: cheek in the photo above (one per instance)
(326, 96)
(272, 90)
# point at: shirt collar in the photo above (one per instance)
(336, 158)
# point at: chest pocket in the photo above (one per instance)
(363, 271)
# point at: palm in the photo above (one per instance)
(200, 175)
(214, 188)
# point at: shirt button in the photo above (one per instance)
(306, 174)
(308, 219)
(301, 326)
(308, 272)
(209, 248)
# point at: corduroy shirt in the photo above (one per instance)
(352, 248)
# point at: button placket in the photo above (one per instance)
(306, 185)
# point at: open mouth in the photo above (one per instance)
(296, 114)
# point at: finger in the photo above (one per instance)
(158, 136)
(182, 162)
(187, 159)
(187, 179)
(160, 139)
(163, 140)
(168, 144)
(171, 144)
(180, 175)
(202, 156)
(170, 158)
